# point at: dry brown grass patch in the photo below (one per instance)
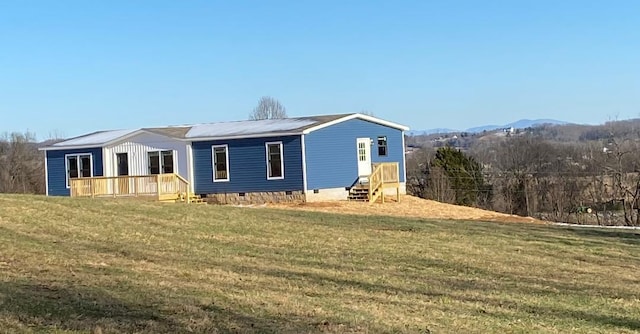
(409, 206)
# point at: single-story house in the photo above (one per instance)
(292, 159)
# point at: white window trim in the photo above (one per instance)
(173, 155)
(213, 162)
(66, 166)
(266, 148)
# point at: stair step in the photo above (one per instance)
(192, 198)
(358, 197)
(359, 193)
(196, 199)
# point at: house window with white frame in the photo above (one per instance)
(160, 162)
(220, 157)
(78, 166)
(275, 161)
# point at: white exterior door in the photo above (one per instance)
(364, 156)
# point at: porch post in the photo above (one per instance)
(382, 183)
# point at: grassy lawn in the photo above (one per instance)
(76, 265)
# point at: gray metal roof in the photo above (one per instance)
(253, 128)
(95, 138)
(257, 127)
(170, 131)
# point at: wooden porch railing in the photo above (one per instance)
(162, 186)
(384, 175)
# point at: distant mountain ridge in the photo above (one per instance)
(430, 131)
(520, 124)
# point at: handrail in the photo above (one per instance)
(185, 184)
(181, 178)
(163, 186)
(375, 182)
(385, 173)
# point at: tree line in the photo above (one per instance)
(21, 164)
(590, 181)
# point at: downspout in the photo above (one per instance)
(304, 165)
(106, 161)
(404, 161)
(46, 174)
(191, 176)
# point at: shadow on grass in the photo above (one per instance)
(50, 307)
(600, 320)
(548, 311)
(77, 308)
(628, 237)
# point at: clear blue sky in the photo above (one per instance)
(71, 67)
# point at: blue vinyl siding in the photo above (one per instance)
(57, 173)
(331, 152)
(247, 166)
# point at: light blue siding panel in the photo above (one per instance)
(57, 173)
(331, 152)
(248, 166)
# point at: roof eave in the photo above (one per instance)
(70, 147)
(354, 116)
(262, 135)
(93, 145)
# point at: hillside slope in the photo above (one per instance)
(412, 207)
(80, 265)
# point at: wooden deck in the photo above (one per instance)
(162, 187)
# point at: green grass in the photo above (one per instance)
(76, 265)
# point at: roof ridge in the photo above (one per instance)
(250, 120)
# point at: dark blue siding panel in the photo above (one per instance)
(57, 173)
(248, 166)
(331, 152)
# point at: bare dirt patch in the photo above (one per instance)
(409, 206)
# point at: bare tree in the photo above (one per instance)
(21, 165)
(268, 108)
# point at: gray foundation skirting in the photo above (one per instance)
(256, 197)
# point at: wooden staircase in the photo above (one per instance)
(195, 199)
(359, 193)
(184, 198)
(371, 188)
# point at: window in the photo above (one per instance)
(220, 163)
(78, 166)
(154, 163)
(160, 162)
(167, 162)
(275, 162)
(382, 146)
(362, 151)
(122, 160)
